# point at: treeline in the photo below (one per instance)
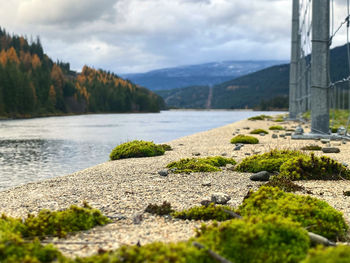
(31, 84)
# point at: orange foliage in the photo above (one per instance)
(3, 57)
(52, 95)
(57, 76)
(12, 55)
(36, 61)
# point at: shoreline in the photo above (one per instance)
(122, 189)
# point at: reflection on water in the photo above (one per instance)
(36, 149)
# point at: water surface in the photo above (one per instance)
(40, 148)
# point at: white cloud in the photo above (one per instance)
(140, 35)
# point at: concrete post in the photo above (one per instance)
(293, 73)
(320, 67)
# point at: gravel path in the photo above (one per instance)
(122, 189)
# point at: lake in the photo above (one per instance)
(40, 148)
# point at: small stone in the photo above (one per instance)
(288, 134)
(346, 193)
(137, 219)
(262, 134)
(230, 167)
(220, 198)
(246, 128)
(324, 141)
(345, 164)
(163, 172)
(247, 154)
(299, 130)
(206, 202)
(181, 144)
(344, 142)
(331, 150)
(282, 135)
(196, 154)
(117, 217)
(206, 183)
(274, 136)
(224, 154)
(262, 176)
(237, 148)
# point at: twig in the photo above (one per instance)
(215, 256)
(317, 239)
(233, 214)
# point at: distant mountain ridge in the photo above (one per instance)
(196, 75)
(269, 85)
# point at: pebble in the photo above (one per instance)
(331, 150)
(196, 154)
(288, 134)
(247, 154)
(324, 141)
(246, 128)
(163, 172)
(224, 154)
(274, 136)
(262, 134)
(206, 183)
(206, 202)
(230, 167)
(137, 219)
(282, 135)
(260, 176)
(220, 198)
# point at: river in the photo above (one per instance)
(40, 148)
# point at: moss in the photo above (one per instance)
(276, 128)
(193, 165)
(260, 118)
(265, 239)
(311, 148)
(137, 149)
(210, 212)
(270, 161)
(316, 215)
(245, 139)
(157, 252)
(166, 147)
(59, 223)
(258, 131)
(284, 184)
(339, 254)
(334, 129)
(163, 209)
(311, 167)
(13, 248)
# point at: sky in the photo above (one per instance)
(128, 36)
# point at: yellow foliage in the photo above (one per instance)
(36, 61)
(57, 76)
(12, 55)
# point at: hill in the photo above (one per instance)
(267, 88)
(197, 75)
(31, 84)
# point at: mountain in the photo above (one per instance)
(31, 84)
(264, 89)
(197, 75)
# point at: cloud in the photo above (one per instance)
(67, 12)
(141, 35)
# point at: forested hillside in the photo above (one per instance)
(31, 84)
(265, 89)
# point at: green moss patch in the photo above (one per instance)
(261, 117)
(210, 212)
(270, 161)
(14, 248)
(258, 239)
(193, 165)
(339, 254)
(163, 209)
(258, 131)
(245, 139)
(59, 223)
(311, 167)
(137, 149)
(157, 252)
(276, 128)
(311, 148)
(316, 215)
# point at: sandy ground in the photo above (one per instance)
(122, 189)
